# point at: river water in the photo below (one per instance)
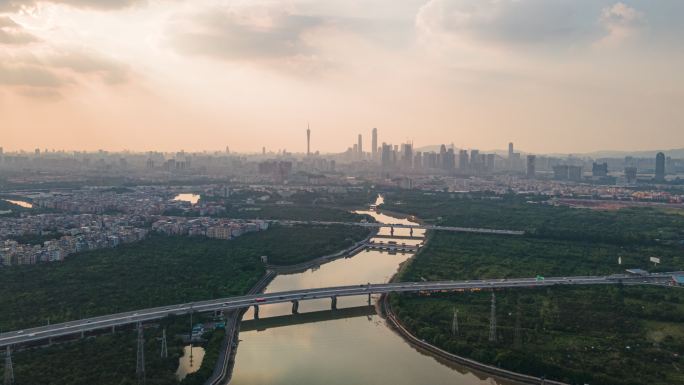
(353, 349)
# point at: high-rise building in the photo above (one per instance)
(374, 143)
(599, 169)
(360, 147)
(660, 167)
(474, 157)
(575, 173)
(463, 159)
(386, 160)
(308, 141)
(567, 172)
(631, 174)
(510, 150)
(531, 166)
(490, 162)
(418, 161)
(406, 155)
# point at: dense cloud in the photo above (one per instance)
(12, 33)
(52, 73)
(10, 5)
(245, 34)
(525, 22)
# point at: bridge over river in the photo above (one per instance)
(412, 227)
(294, 296)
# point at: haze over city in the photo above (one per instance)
(552, 76)
(341, 192)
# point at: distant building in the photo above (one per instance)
(631, 174)
(463, 159)
(531, 166)
(386, 155)
(567, 172)
(575, 173)
(418, 161)
(599, 169)
(660, 167)
(406, 156)
(360, 147)
(374, 143)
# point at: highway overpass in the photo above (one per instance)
(404, 226)
(231, 303)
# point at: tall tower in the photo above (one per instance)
(164, 346)
(360, 147)
(510, 150)
(660, 167)
(374, 143)
(308, 140)
(9, 370)
(531, 166)
(492, 320)
(140, 366)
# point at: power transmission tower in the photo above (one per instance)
(492, 320)
(140, 367)
(9, 370)
(164, 347)
(454, 323)
(517, 341)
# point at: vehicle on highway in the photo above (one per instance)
(261, 299)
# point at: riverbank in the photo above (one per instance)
(224, 366)
(395, 323)
(349, 251)
(385, 310)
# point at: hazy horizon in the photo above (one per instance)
(553, 77)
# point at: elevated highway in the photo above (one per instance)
(231, 303)
(393, 226)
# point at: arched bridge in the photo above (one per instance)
(232, 303)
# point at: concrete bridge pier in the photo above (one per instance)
(411, 231)
(256, 311)
(333, 302)
(82, 334)
(295, 307)
(391, 230)
(113, 329)
(369, 299)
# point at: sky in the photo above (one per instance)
(553, 76)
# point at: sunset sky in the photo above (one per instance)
(549, 75)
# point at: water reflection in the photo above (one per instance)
(192, 198)
(190, 362)
(338, 350)
(24, 204)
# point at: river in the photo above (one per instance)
(356, 349)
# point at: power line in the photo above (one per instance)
(140, 367)
(492, 320)
(164, 347)
(9, 370)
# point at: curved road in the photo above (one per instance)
(113, 320)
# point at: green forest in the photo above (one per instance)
(599, 335)
(539, 219)
(159, 270)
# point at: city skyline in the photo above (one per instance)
(581, 76)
